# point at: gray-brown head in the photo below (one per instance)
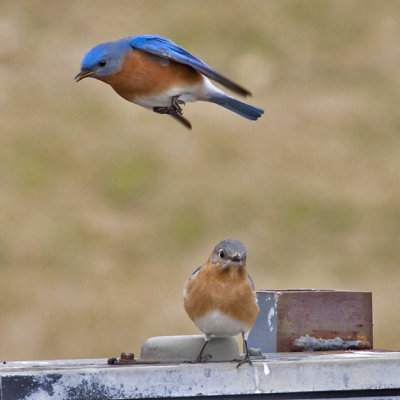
(228, 253)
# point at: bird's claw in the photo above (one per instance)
(162, 110)
(203, 359)
(199, 359)
(174, 110)
(176, 105)
(243, 361)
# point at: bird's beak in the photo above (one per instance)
(236, 258)
(83, 74)
(235, 261)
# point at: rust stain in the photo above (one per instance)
(324, 315)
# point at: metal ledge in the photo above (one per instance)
(335, 373)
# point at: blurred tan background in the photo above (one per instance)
(106, 208)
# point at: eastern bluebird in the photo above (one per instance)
(155, 73)
(219, 296)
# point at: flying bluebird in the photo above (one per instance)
(154, 72)
(219, 296)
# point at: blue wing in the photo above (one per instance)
(251, 281)
(165, 48)
(195, 272)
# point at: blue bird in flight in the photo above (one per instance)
(155, 73)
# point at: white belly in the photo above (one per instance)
(202, 90)
(164, 99)
(218, 324)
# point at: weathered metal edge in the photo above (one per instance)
(279, 373)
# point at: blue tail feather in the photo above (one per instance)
(243, 109)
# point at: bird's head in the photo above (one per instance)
(103, 60)
(229, 253)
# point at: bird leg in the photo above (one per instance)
(176, 104)
(246, 358)
(200, 357)
(175, 111)
(174, 107)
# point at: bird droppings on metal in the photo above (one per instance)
(271, 314)
(346, 381)
(309, 343)
(266, 369)
(256, 352)
(256, 380)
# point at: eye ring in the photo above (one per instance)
(102, 63)
(221, 254)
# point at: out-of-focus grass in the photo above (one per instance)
(106, 208)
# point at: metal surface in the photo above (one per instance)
(298, 320)
(286, 375)
(288, 321)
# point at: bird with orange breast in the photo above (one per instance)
(219, 297)
(156, 73)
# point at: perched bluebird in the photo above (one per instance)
(219, 296)
(156, 73)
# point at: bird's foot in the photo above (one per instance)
(203, 359)
(175, 111)
(174, 108)
(243, 361)
(199, 359)
(182, 120)
(175, 105)
(162, 110)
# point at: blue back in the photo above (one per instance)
(165, 48)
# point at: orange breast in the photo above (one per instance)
(228, 291)
(143, 74)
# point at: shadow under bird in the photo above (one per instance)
(155, 73)
(220, 298)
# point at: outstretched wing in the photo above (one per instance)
(165, 48)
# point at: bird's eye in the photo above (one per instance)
(102, 63)
(221, 254)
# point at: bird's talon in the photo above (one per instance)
(178, 110)
(203, 359)
(175, 105)
(244, 361)
(162, 110)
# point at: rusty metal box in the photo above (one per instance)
(312, 320)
